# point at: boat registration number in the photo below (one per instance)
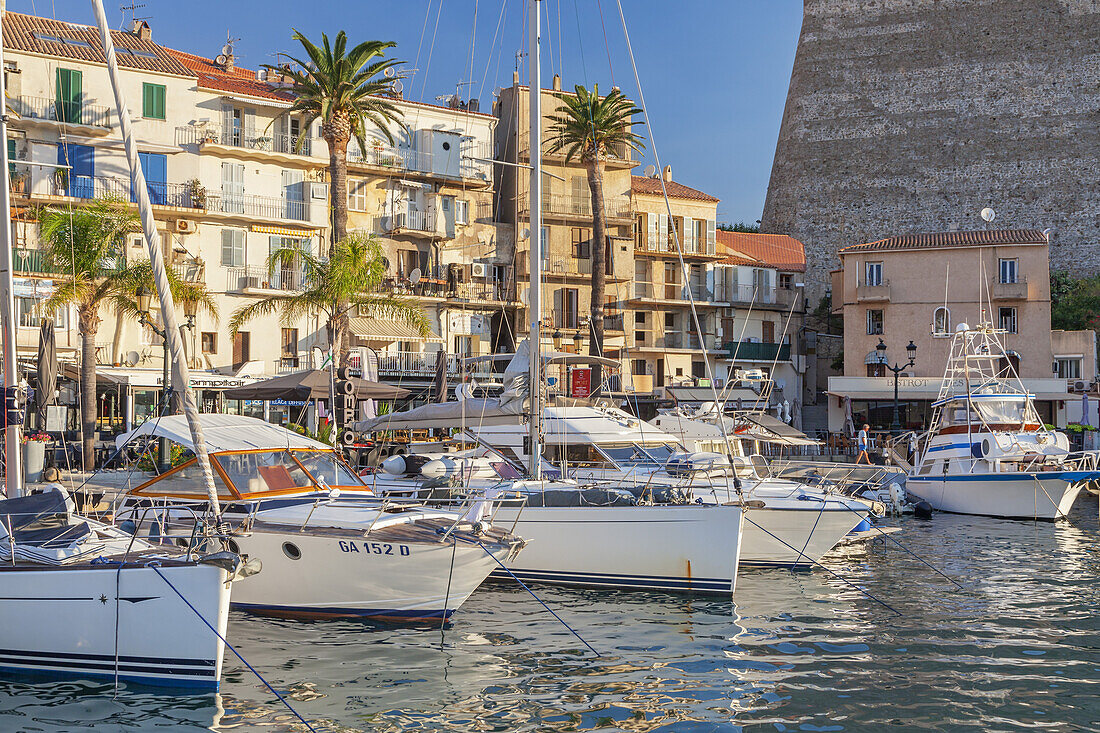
(374, 548)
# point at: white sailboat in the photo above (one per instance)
(987, 451)
(82, 598)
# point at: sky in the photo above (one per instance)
(714, 72)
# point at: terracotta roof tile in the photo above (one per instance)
(238, 81)
(50, 37)
(652, 186)
(776, 251)
(952, 239)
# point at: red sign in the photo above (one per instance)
(580, 381)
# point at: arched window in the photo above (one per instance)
(941, 321)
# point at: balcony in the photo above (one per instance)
(258, 207)
(291, 363)
(31, 262)
(577, 207)
(874, 292)
(756, 351)
(615, 322)
(252, 280)
(656, 245)
(673, 293)
(178, 195)
(673, 341)
(422, 364)
(618, 157)
(759, 296)
(44, 109)
(1011, 291)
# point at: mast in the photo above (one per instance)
(13, 459)
(181, 375)
(534, 306)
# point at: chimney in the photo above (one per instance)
(515, 77)
(668, 174)
(229, 61)
(142, 30)
(556, 83)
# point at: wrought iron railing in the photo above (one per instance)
(54, 110)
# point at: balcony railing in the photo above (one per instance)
(1011, 290)
(31, 262)
(181, 195)
(656, 244)
(621, 153)
(44, 108)
(251, 277)
(672, 291)
(756, 295)
(438, 285)
(264, 207)
(876, 290)
(422, 364)
(614, 207)
(757, 351)
(290, 363)
(248, 139)
(614, 322)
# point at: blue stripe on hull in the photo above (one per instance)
(341, 612)
(60, 665)
(605, 580)
(1071, 476)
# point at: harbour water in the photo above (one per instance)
(1017, 648)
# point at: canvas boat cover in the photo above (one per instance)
(223, 433)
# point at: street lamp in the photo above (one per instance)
(556, 338)
(578, 341)
(911, 352)
(144, 301)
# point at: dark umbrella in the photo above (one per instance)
(439, 383)
(47, 369)
(311, 385)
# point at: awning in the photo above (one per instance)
(377, 329)
(769, 429)
(283, 231)
(311, 384)
(152, 378)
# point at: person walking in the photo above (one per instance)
(863, 440)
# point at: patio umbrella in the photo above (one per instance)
(311, 385)
(370, 373)
(47, 369)
(1085, 418)
(439, 383)
(849, 422)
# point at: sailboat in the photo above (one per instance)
(83, 598)
(987, 452)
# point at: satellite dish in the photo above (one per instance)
(988, 214)
(227, 49)
(132, 358)
(650, 171)
(414, 276)
(524, 233)
(220, 59)
(388, 73)
(398, 86)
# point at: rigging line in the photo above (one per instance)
(607, 46)
(542, 602)
(549, 34)
(906, 549)
(155, 566)
(775, 361)
(431, 49)
(492, 50)
(561, 51)
(728, 389)
(580, 42)
(420, 45)
(707, 363)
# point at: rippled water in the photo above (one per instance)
(1017, 648)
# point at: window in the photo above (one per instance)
(242, 348)
(941, 322)
(568, 308)
(79, 181)
(638, 366)
(464, 346)
(29, 312)
(232, 247)
(875, 323)
(874, 274)
(670, 321)
(462, 212)
(152, 101)
(1009, 270)
(786, 281)
(767, 332)
(639, 317)
(209, 342)
(1007, 319)
(357, 194)
(290, 343)
(1068, 368)
(582, 243)
(876, 370)
(700, 235)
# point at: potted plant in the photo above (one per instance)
(34, 456)
(61, 181)
(196, 193)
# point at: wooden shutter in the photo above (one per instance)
(70, 83)
(651, 233)
(688, 233)
(767, 332)
(712, 237)
(662, 233)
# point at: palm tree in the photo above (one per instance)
(86, 247)
(347, 279)
(590, 128)
(344, 91)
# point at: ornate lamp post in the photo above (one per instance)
(911, 351)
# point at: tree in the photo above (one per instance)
(344, 90)
(1074, 303)
(740, 226)
(590, 128)
(347, 279)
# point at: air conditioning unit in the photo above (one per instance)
(478, 269)
(186, 226)
(1079, 386)
(248, 281)
(319, 191)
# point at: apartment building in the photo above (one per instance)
(674, 258)
(919, 288)
(566, 236)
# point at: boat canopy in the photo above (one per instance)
(984, 397)
(223, 433)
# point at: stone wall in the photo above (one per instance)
(908, 116)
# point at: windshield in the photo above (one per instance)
(327, 468)
(634, 455)
(260, 471)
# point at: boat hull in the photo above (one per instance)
(691, 548)
(1047, 495)
(73, 621)
(796, 537)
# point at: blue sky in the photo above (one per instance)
(714, 73)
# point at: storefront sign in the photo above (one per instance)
(289, 403)
(580, 382)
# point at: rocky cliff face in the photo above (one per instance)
(908, 116)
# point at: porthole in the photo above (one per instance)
(233, 547)
(291, 550)
(446, 146)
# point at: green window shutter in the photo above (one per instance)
(69, 93)
(11, 158)
(152, 101)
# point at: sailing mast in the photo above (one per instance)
(12, 457)
(534, 305)
(180, 372)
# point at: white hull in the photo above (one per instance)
(795, 536)
(694, 548)
(62, 621)
(1024, 496)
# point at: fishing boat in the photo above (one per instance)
(986, 451)
(330, 547)
(83, 598)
